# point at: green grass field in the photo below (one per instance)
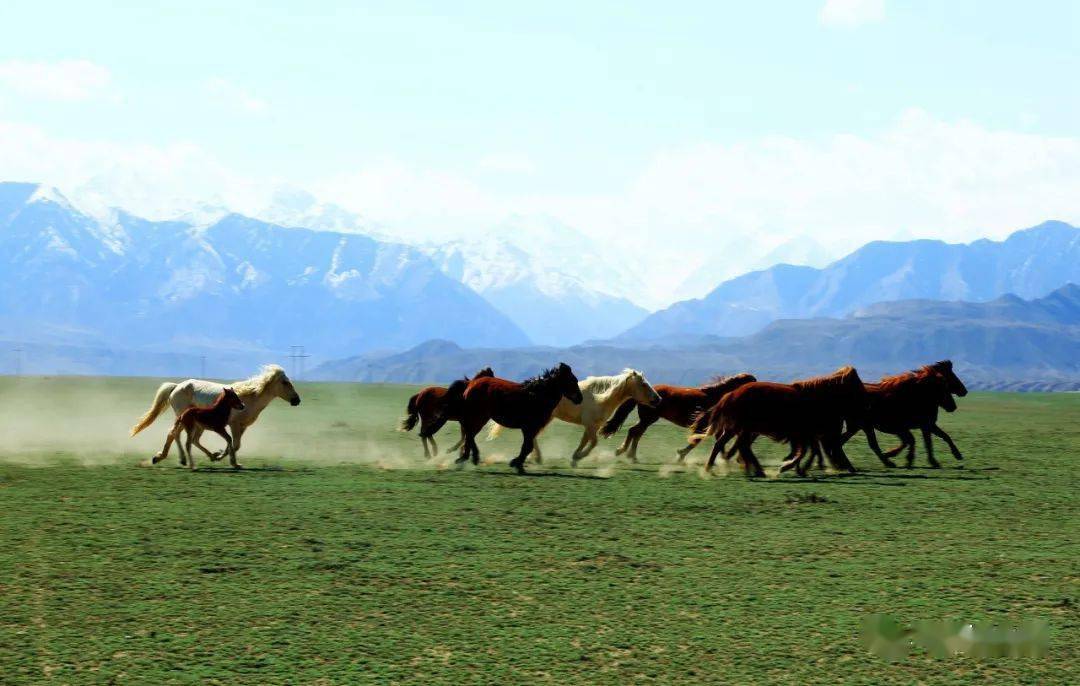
(339, 556)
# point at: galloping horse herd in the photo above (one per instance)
(815, 416)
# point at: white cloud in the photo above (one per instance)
(63, 80)
(509, 163)
(151, 181)
(849, 14)
(235, 97)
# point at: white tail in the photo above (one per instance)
(494, 431)
(160, 400)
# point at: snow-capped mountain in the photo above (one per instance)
(239, 283)
(1029, 263)
(291, 206)
(551, 280)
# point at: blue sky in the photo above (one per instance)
(480, 109)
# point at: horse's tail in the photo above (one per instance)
(160, 400)
(616, 421)
(708, 422)
(409, 421)
(494, 431)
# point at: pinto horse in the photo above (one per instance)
(798, 413)
(433, 407)
(600, 395)
(526, 406)
(678, 404)
(911, 401)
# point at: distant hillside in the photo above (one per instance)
(1030, 263)
(1008, 343)
(237, 284)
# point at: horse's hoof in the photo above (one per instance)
(890, 464)
(237, 465)
(619, 451)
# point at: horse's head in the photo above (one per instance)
(641, 390)
(855, 390)
(284, 389)
(945, 369)
(486, 371)
(943, 392)
(232, 399)
(568, 383)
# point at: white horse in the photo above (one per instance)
(601, 396)
(256, 393)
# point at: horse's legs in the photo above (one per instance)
(189, 457)
(929, 442)
(468, 441)
(940, 433)
(593, 440)
(198, 434)
(527, 443)
(907, 440)
(457, 446)
(718, 448)
(230, 447)
(750, 461)
(427, 435)
(237, 434)
(691, 443)
(580, 452)
(169, 438)
(835, 453)
(794, 457)
(634, 434)
(871, 439)
(537, 455)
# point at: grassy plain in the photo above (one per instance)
(340, 556)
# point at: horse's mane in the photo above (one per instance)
(603, 386)
(258, 383)
(457, 386)
(921, 372)
(542, 379)
(725, 383)
(837, 378)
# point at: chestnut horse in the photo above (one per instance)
(434, 406)
(910, 407)
(678, 404)
(910, 401)
(526, 406)
(798, 413)
(215, 418)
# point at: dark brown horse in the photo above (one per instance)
(434, 406)
(678, 404)
(798, 413)
(526, 406)
(911, 401)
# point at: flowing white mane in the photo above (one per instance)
(258, 383)
(603, 386)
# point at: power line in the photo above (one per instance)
(297, 356)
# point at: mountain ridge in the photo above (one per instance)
(1030, 263)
